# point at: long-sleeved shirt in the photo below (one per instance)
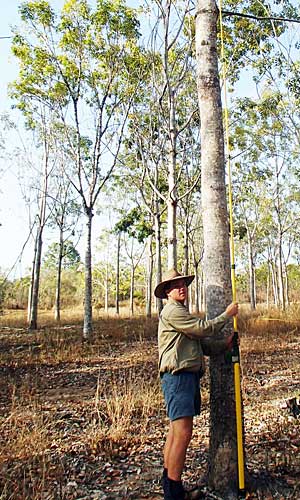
(183, 339)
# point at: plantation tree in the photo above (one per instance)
(267, 179)
(86, 66)
(41, 219)
(59, 256)
(137, 227)
(246, 41)
(216, 259)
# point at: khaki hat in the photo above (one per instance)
(171, 275)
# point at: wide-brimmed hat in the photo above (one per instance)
(171, 275)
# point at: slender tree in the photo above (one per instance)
(86, 66)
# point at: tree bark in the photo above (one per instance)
(149, 278)
(132, 275)
(223, 441)
(36, 282)
(118, 275)
(159, 302)
(58, 281)
(88, 311)
(251, 273)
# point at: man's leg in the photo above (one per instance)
(177, 442)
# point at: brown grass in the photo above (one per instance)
(63, 398)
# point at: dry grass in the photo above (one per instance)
(65, 402)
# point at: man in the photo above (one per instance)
(182, 339)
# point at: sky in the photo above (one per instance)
(15, 253)
(16, 259)
(14, 228)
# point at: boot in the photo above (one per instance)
(173, 490)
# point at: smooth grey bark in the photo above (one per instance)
(252, 287)
(58, 279)
(88, 311)
(223, 443)
(157, 219)
(36, 282)
(117, 301)
(30, 291)
(149, 277)
(39, 243)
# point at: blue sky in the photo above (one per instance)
(14, 219)
(13, 216)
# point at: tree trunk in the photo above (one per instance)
(39, 245)
(159, 302)
(118, 275)
(88, 312)
(30, 291)
(223, 441)
(132, 290)
(106, 290)
(280, 272)
(186, 255)
(251, 274)
(36, 282)
(274, 283)
(172, 197)
(149, 278)
(58, 281)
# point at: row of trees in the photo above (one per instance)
(142, 119)
(112, 112)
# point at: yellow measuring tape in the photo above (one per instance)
(235, 353)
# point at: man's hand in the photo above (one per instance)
(232, 309)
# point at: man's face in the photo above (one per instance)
(177, 290)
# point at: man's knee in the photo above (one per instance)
(183, 428)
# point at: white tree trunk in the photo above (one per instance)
(58, 279)
(88, 312)
(149, 277)
(159, 302)
(251, 273)
(118, 274)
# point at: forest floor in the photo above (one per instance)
(87, 421)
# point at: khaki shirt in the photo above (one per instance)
(183, 339)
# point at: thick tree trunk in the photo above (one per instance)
(58, 280)
(118, 275)
(88, 312)
(223, 441)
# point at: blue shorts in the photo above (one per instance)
(182, 394)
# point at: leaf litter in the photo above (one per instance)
(74, 429)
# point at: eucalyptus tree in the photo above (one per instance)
(136, 227)
(267, 193)
(170, 107)
(86, 66)
(216, 259)
(250, 41)
(65, 216)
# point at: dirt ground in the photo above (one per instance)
(50, 417)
